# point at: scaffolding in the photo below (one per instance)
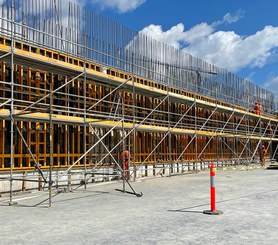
(68, 103)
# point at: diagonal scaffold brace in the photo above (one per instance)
(133, 192)
(119, 167)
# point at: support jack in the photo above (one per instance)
(12, 203)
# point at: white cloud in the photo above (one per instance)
(176, 36)
(198, 33)
(43, 9)
(223, 48)
(229, 18)
(121, 6)
(231, 51)
(173, 36)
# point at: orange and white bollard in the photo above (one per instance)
(212, 210)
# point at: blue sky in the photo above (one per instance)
(239, 35)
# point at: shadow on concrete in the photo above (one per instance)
(185, 210)
(44, 203)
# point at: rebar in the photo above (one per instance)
(62, 27)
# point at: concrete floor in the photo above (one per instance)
(170, 212)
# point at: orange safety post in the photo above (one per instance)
(212, 210)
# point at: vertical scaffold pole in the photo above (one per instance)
(196, 138)
(134, 129)
(50, 139)
(12, 106)
(68, 137)
(169, 127)
(133, 120)
(123, 140)
(85, 127)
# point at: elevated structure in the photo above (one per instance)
(69, 98)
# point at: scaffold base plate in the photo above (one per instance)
(210, 212)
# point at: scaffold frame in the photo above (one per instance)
(70, 107)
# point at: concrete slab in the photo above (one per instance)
(170, 212)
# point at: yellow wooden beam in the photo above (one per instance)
(44, 117)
